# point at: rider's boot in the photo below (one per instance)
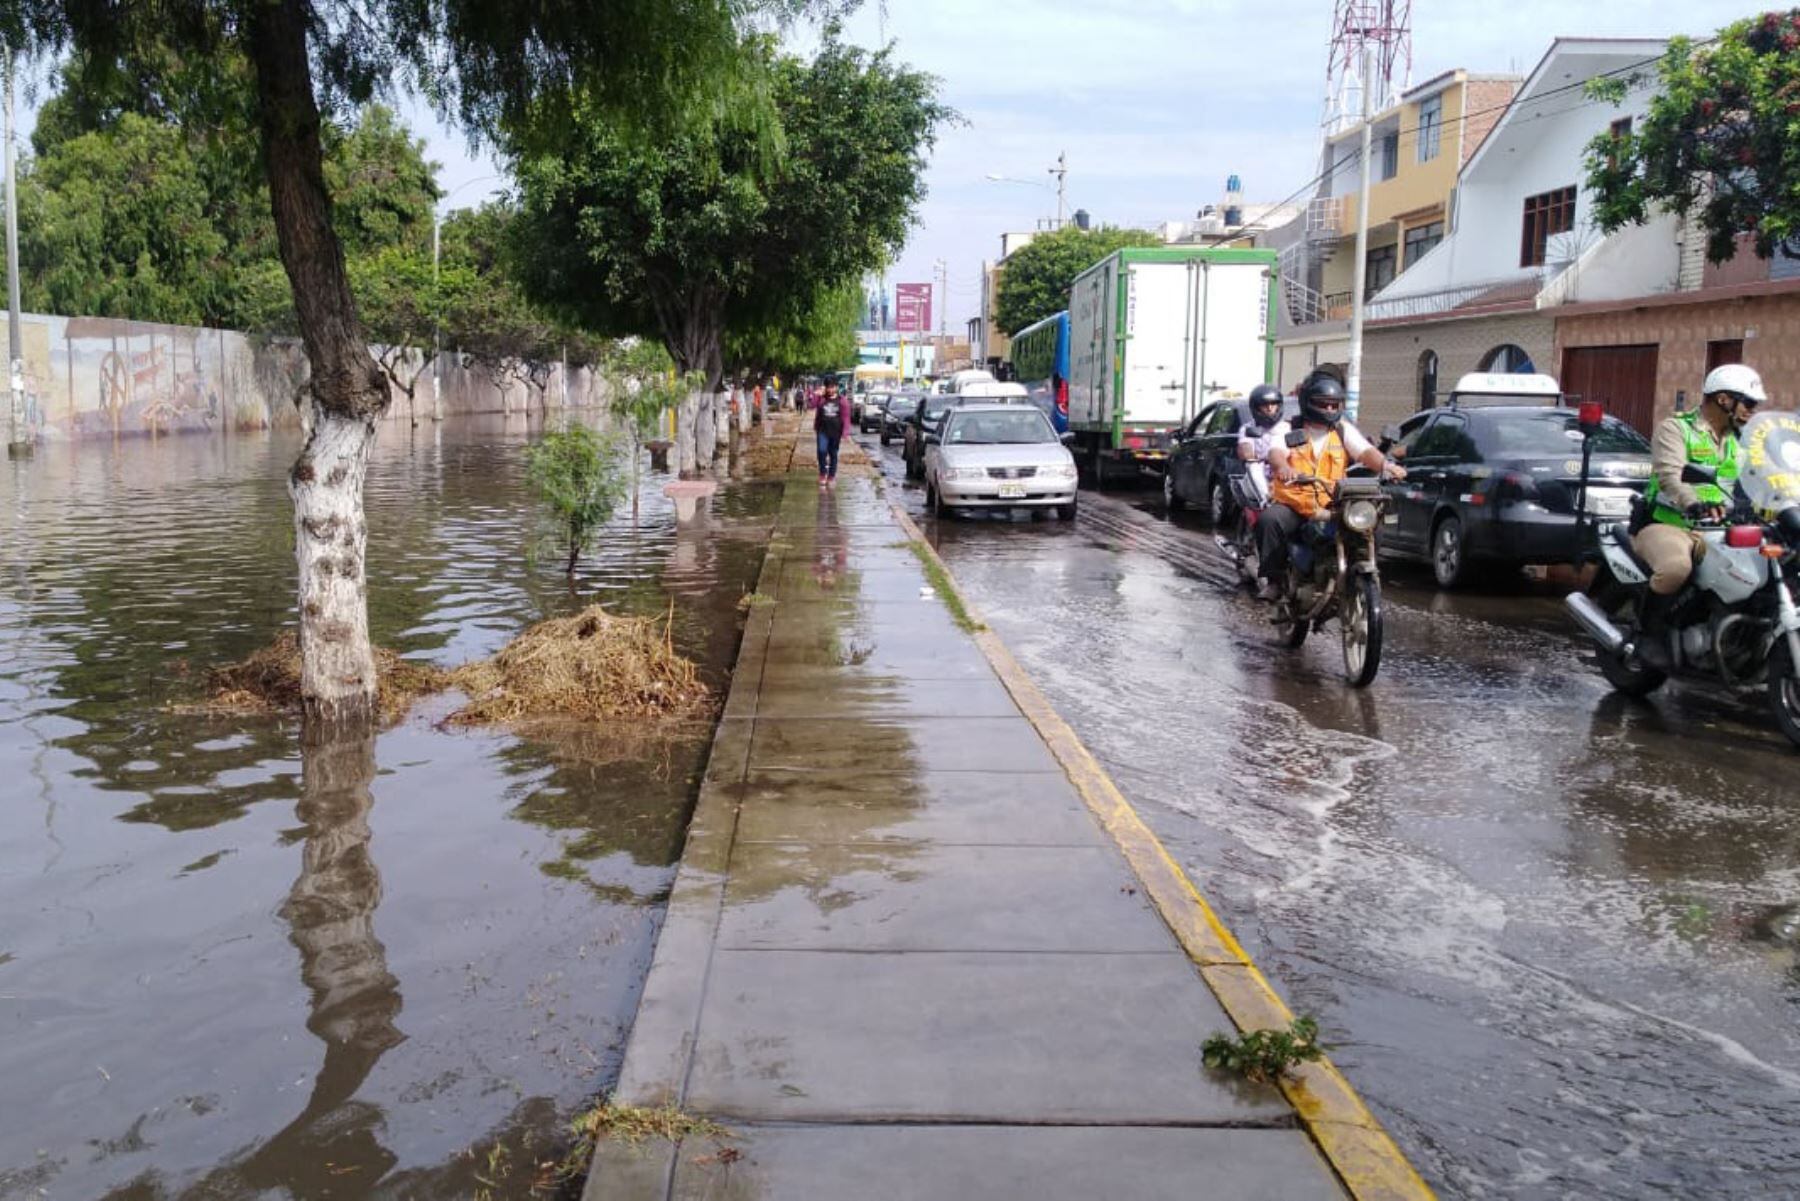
(1652, 643)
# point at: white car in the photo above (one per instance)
(991, 455)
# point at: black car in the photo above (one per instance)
(1499, 485)
(895, 415)
(928, 418)
(1204, 457)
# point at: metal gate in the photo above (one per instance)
(1622, 378)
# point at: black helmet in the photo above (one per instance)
(1265, 405)
(1321, 388)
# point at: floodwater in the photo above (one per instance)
(230, 968)
(1552, 936)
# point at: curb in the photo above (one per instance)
(1365, 1157)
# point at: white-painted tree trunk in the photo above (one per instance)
(687, 435)
(706, 429)
(337, 664)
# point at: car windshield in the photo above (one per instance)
(1015, 428)
(903, 404)
(1554, 433)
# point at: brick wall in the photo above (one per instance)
(1487, 99)
(1769, 326)
(1390, 390)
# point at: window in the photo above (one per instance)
(1381, 270)
(1507, 359)
(1428, 372)
(1431, 128)
(1421, 238)
(1545, 214)
(1390, 155)
(1620, 128)
(1224, 421)
(1725, 350)
(1409, 436)
(1445, 439)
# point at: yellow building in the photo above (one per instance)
(1417, 148)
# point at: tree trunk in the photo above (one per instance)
(337, 677)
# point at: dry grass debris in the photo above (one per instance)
(592, 665)
(268, 682)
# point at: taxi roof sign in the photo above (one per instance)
(1497, 383)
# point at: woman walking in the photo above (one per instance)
(831, 421)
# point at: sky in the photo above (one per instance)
(1154, 103)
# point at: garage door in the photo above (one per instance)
(1623, 378)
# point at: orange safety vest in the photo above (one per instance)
(1328, 466)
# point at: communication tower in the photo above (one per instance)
(1383, 29)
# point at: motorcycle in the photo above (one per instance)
(1332, 575)
(1735, 621)
(1249, 493)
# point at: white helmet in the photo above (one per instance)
(1737, 379)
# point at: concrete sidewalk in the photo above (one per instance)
(906, 956)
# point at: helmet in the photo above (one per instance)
(1265, 405)
(1736, 379)
(1321, 388)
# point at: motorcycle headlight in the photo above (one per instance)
(1361, 515)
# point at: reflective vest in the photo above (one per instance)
(1702, 452)
(1330, 464)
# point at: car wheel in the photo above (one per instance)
(1066, 512)
(1171, 498)
(935, 499)
(1218, 502)
(1449, 561)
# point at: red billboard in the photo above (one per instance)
(912, 308)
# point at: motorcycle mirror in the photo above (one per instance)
(1693, 473)
(1295, 438)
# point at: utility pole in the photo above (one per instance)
(1353, 386)
(943, 297)
(18, 444)
(1061, 171)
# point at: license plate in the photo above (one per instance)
(1610, 506)
(1011, 491)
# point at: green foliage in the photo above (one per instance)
(812, 331)
(1722, 135)
(642, 385)
(576, 473)
(1036, 280)
(706, 230)
(1264, 1056)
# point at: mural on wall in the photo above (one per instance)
(91, 377)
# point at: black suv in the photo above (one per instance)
(1204, 459)
(1498, 485)
(928, 418)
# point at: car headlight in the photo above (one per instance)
(963, 473)
(1361, 515)
(1062, 471)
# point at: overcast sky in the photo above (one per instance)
(1155, 103)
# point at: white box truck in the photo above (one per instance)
(1157, 333)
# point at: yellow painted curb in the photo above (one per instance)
(1366, 1159)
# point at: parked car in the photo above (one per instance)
(897, 412)
(1499, 484)
(924, 420)
(1204, 459)
(868, 410)
(1004, 456)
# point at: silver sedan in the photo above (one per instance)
(998, 456)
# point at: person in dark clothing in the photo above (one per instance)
(831, 421)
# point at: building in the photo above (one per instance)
(1418, 148)
(1525, 281)
(987, 342)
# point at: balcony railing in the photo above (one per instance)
(1509, 291)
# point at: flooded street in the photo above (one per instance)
(1550, 935)
(230, 969)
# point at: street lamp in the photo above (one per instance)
(1060, 171)
(437, 321)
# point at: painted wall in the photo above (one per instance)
(89, 377)
(1391, 354)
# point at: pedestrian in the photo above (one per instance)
(831, 421)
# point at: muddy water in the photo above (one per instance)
(1551, 935)
(231, 969)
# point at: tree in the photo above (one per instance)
(642, 385)
(488, 61)
(736, 216)
(811, 331)
(1722, 134)
(1036, 279)
(576, 473)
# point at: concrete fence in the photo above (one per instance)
(88, 377)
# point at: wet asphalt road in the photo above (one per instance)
(1543, 928)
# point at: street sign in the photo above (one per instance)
(912, 308)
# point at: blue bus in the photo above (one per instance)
(1040, 358)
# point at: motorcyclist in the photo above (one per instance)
(1705, 437)
(1330, 446)
(1264, 428)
